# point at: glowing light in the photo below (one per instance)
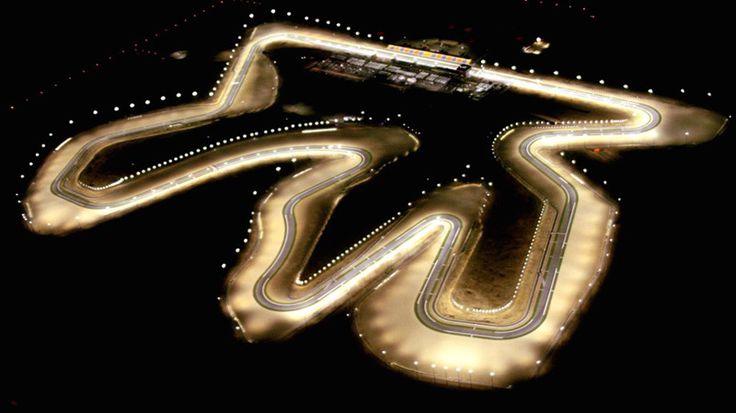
(442, 344)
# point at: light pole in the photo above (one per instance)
(493, 374)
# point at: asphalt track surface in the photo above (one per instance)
(644, 120)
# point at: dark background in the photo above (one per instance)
(87, 323)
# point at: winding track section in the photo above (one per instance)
(399, 275)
